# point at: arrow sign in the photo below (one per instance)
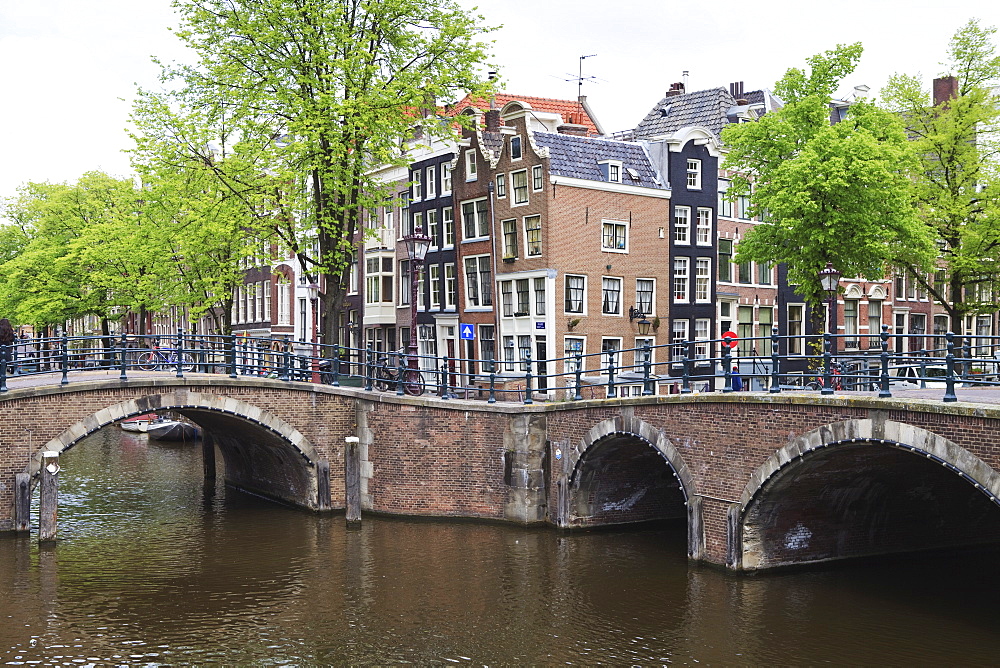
(467, 332)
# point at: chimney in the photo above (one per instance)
(945, 88)
(675, 89)
(572, 129)
(684, 78)
(493, 120)
(736, 90)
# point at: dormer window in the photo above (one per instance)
(611, 170)
(515, 148)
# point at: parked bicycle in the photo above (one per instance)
(386, 376)
(157, 359)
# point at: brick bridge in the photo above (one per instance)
(761, 480)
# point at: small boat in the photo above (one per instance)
(173, 430)
(139, 423)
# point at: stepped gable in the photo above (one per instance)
(705, 108)
(577, 157)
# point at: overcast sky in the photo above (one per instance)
(70, 66)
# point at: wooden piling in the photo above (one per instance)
(48, 498)
(352, 479)
(208, 456)
(22, 502)
(323, 484)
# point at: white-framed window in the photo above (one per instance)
(614, 236)
(682, 225)
(519, 186)
(470, 165)
(765, 320)
(478, 282)
(475, 224)
(678, 339)
(515, 147)
(571, 346)
(416, 186)
(536, 178)
(450, 285)
(433, 228)
(725, 204)
(640, 352)
(430, 183)
(487, 347)
(508, 352)
(378, 280)
(725, 260)
(703, 230)
(533, 236)
(611, 295)
(524, 350)
(501, 186)
(611, 347)
(284, 301)
(448, 218)
(417, 221)
(509, 230)
(702, 279)
(693, 174)
(764, 273)
(421, 300)
(404, 283)
(682, 270)
(507, 298)
(576, 294)
(435, 286)
(645, 291)
(523, 297)
(539, 287)
(702, 329)
(796, 329)
(851, 323)
(445, 179)
(611, 170)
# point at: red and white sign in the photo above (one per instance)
(732, 339)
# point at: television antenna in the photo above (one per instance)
(579, 78)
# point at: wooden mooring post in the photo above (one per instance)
(22, 502)
(352, 480)
(48, 498)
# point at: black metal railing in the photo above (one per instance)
(819, 363)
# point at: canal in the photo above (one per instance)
(151, 568)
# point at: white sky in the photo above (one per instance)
(70, 67)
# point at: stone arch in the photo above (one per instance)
(632, 426)
(856, 433)
(276, 443)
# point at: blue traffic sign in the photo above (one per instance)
(467, 332)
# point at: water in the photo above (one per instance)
(150, 569)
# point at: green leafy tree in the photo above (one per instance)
(325, 91)
(956, 184)
(826, 192)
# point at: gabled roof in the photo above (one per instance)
(579, 157)
(704, 108)
(572, 111)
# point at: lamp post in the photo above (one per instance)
(829, 278)
(416, 249)
(313, 291)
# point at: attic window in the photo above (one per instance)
(665, 110)
(633, 173)
(611, 170)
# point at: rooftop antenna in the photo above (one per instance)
(579, 82)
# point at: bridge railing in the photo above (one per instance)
(827, 363)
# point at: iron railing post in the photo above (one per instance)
(923, 369)
(232, 356)
(647, 365)
(775, 359)
(4, 351)
(949, 360)
(727, 364)
(686, 370)
(527, 378)
(124, 360)
(369, 372)
(612, 390)
(64, 358)
(179, 352)
(336, 366)
(493, 378)
(445, 394)
(884, 392)
(827, 361)
(578, 384)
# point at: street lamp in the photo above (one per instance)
(633, 313)
(313, 291)
(829, 278)
(417, 244)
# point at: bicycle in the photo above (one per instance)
(386, 377)
(158, 359)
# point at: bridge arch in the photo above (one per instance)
(612, 476)
(863, 487)
(263, 454)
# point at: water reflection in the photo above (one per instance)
(149, 568)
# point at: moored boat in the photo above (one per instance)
(173, 430)
(139, 423)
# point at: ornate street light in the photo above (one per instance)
(829, 278)
(417, 244)
(313, 291)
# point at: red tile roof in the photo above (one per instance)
(571, 110)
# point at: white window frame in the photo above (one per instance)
(430, 185)
(569, 353)
(693, 174)
(530, 249)
(445, 178)
(481, 224)
(483, 288)
(703, 227)
(605, 281)
(515, 199)
(702, 334)
(679, 329)
(435, 286)
(681, 280)
(450, 286)
(640, 341)
(416, 186)
(583, 294)
(448, 227)
(702, 280)
(471, 168)
(682, 225)
(537, 182)
(615, 225)
(652, 297)
(501, 188)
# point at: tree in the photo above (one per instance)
(956, 185)
(325, 91)
(826, 192)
